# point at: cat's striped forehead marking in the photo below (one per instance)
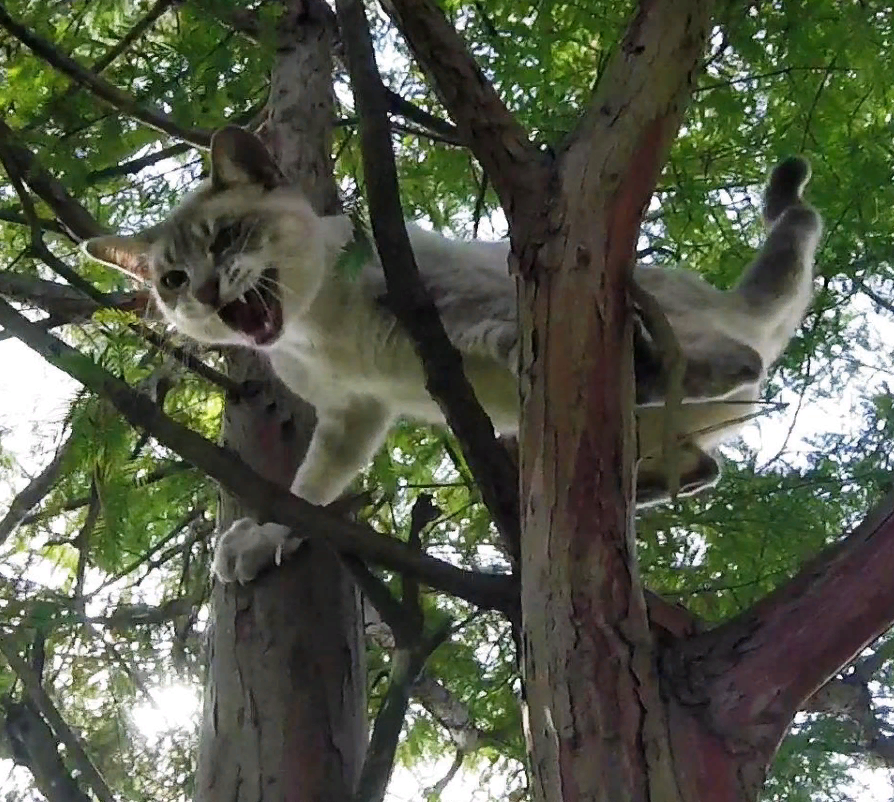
(190, 226)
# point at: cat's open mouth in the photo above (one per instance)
(258, 312)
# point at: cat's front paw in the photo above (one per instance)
(247, 547)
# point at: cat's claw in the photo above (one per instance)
(247, 547)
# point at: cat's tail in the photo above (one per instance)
(778, 285)
(785, 187)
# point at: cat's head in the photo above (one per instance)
(239, 259)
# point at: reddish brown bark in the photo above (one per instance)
(736, 688)
(599, 727)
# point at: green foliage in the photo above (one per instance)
(360, 249)
(126, 524)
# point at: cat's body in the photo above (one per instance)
(245, 260)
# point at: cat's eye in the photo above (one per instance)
(226, 237)
(174, 279)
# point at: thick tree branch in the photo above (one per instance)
(46, 324)
(12, 216)
(449, 712)
(412, 649)
(621, 141)
(660, 34)
(246, 22)
(491, 464)
(440, 702)
(760, 668)
(269, 500)
(850, 701)
(438, 788)
(64, 301)
(105, 91)
(47, 709)
(406, 664)
(598, 718)
(499, 142)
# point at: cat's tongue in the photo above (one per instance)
(258, 313)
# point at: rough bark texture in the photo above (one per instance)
(285, 705)
(598, 728)
(736, 688)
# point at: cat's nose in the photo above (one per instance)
(209, 292)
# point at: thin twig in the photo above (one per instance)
(105, 91)
(164, 470)
(40, 249)
(72, 214)
(106, 60)
(34, 492)
(140, 163)
(247, 23)
(483, 122)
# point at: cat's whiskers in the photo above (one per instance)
(277, 286)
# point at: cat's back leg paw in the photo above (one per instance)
(247, 547)
(697, 471)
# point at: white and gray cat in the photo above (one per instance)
(245, 260)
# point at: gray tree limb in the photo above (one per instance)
(46, 708)
(34, 746)
(271, 501)
(34, 492)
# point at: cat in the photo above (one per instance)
(244, 260)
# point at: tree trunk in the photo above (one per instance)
(285, 703)
(598, 725)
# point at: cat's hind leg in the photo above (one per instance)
(697, 471)
(778, 282)
(715, 366)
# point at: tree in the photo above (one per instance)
(759, 608)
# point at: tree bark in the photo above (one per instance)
(285, 700)
(597, 721)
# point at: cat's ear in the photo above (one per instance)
(239, 157)
(129, 254)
